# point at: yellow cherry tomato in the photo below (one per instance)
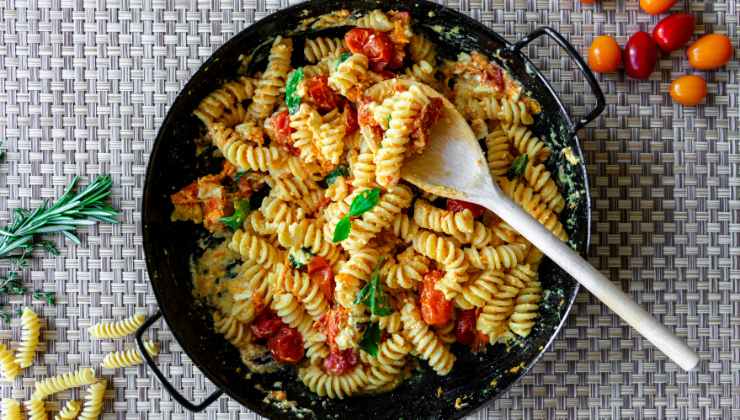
(688, 90)
(710, 52)
(656, 7)
(604, 55)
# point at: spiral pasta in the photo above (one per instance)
(130, 357)
(350, 77)
(245, 156)
(267, 92)
(224, 104)
(375, 19)
(94, 400)
(407, 271)
(457, 224)
(301, 285)
(425, 342)
(290, 310)
(233, 330)
(31, 325)
(480, 290)
(404, 228)
(339, 386)
(449, 255)
(352, 273)
(386, 368)
(422, 49)
(254, 249)
(540, 179)
(317, 49)
(309, 234)
(422, 72)
(11, 409)
(275, 210)
(331, 137)
(526, 142)
(59, 383)
(492, 320)
(8, 364)
(391, 323)
(534, 204)
(305, 124)
(498, 152)
(495, 257)
(391, 203)
(36, 409)
(117, 329)
(526, 310)
(70, 410)
(363, 170)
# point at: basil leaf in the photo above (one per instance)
(342, 58)
(235, 221)
(292, 100)
(336, 173)
(372, 295)
(517, 167)
(364, 201)
(341, 231)
(371, 339)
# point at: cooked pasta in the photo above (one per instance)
(65, 381)
(93, 406)
(36, 409)
(31, 325)
(11, 409)
(117, 329)
(8, 364)
(70, 410)
(130, 357)
(315, 252)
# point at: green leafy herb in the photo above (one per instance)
(292, 99)
(363, 202)
(342, 58)
(372, 295)
(241, 210)
(49, 297)
(295, 263)
(371, 339)
(5, 316)
(388, 120)
(517, 167)
(336, 173)
(11, 284)
(238, 175)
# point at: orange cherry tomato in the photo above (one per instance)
(604, 55)
(435, 309)
(588, 1)
(710, 52)
(688, 90)
(656, 7)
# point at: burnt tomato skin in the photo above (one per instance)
(286, 346)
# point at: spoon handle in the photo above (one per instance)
(593, 280)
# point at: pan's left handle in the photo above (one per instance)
(165, 383)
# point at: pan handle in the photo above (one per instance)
(573, 53)
(165, 383)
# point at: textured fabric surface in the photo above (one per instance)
(85, 84)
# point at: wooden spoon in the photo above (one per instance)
(452, 165)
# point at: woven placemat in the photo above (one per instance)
(84, 86)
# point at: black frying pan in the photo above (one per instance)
(476, 378)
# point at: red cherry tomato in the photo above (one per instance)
(688, 90)
(710, 52)
(319, 92)
(640, 56)
(674, 31)
(459, 205)
(331, 323)
(287, 345)
(435, 309)
(340, 362)
(350, 119)
(375, 45)
(465, 327)
(604, 55)
(321, 273)
(281, 126)
(656, 7)
(266, 324)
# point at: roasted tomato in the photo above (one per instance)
(375, 45)
(287, 345)
(460, 205)
(688, 90)
(435, 309)
(340, 362)
(281, 125)
(674, 31)
(266, 324)
(465, 326)
(331, 323)
(710, 52)
(350, 119)
(321, 273)
(319, 92)
(187, 195)
(604, 55)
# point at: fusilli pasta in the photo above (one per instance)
(117, 329)
(62, 382)
(130, 357)
(70, 410)
(31, 325)
(94, 400)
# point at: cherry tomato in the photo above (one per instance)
(331, 323)
(319, 92)
(674, 31)
(281, 126)
(656, 7)
(287, 345)
(688, 90)
(340, 362)
(588, 1)
(375, 45)
(435, 309)
(266, 324)
(710, 52)
(459, 205)
(640, 56)
(604, 55)
(350, 119)
(465, 326)
(321, 273)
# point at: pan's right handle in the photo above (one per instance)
(165, 383)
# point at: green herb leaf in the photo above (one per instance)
(5, 316)
(336, 173)
(371, 339)
(342, 58)
(11, 285)
(517, 167)
(238, 175)
(48, 246)
(49, 297)
(372, 295)
(364, 201)
(235, 221)
(388, 120)
(292, 99)
(341, 231)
